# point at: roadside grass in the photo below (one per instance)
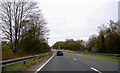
(21, 66)
(109, 58)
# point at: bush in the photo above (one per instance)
(6, 52)
(32, 46)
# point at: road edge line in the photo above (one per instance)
(45, 63)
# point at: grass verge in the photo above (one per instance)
(109, 58)
(21, 66)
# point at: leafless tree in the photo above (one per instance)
(14, 14)
(6, 21)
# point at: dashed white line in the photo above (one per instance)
(74, 59)
(95, 70)
(45, 64)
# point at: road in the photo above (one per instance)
(79, 63)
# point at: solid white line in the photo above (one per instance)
(95, 70)
(45, 64)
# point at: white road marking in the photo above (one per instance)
(45, 64)
(95, 70)
(74, 59)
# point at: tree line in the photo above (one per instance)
(70, 44)
(107, 40)
(23, 25)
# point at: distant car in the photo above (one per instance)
(59, 53)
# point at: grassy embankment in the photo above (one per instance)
(22, 66)
(8, 54)
(109, 58)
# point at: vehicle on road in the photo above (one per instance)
(59, 53)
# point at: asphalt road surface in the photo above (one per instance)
(79, 63)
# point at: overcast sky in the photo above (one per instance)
(76, 19)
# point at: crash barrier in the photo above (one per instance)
(105, 54)
(6, 63)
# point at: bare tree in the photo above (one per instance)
(37, 26)
(13, 15)
(6, 21)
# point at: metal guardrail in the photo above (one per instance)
(105, 54)
(6, 63)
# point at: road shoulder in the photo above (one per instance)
(38, 64)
